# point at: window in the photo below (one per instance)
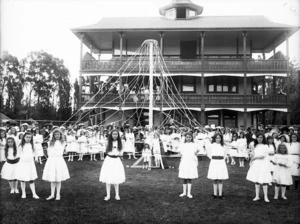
(224, 84)
(181, 13)
(188, 84)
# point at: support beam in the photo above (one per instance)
(245, 79)
(121, 34)
(80, 73)
(161, 42)
(202, 34)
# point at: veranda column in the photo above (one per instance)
(161, 115)
(245, 79)
(120, 80)
(80, 72)
(202, 35)
(288, 82)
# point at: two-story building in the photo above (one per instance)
(210, 59)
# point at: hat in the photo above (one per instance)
(206, 126)
(57, 130)
(291, 128)
(24, 124)
(285, 128)
(62, 127)
(2, 129)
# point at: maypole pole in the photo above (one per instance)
(151, 65)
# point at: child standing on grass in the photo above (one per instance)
(242, 149)
(294, 155)
(8, 171)
(26, 170)
(38, 140)
(271, 152)
(146, 154)
(259, 172)
(282, 175)
(217, 170)
(82, 142)
(56, 169)
(156, 146)
(188, 164)
(72, 145)
(112, 170)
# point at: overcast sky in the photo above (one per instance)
(33, 25)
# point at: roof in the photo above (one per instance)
(3, 117)
(201, 22)
(179, 4)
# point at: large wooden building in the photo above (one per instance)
(210, 59)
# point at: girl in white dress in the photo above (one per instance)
(271, 152)
(94, 146)
(72, 145)
(282, 175)
(82, 142)
(56, 169)
(26, 170)
(8, 171)
(242, 149)
(38, 140)
(217, 170)
(102, 142)
(294, 154)
(156, 143)
(146, 154)
(227, 140)
(188, 167)
(13, 133)
(129, 143)
(112, 170)
(259, 172)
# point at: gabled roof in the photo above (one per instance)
(198, 23)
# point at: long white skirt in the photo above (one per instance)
(56, 170)
(26, 170)
(217, 170)
(112, 171)
(259, 172)
(9, 171)
(282, 176)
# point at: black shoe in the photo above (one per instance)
(222, 197)
(214, 196)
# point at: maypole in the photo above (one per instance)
(151, 66)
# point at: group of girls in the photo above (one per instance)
(264, 154)
(20, 164)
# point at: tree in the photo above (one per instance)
(46, 78)
(11, 85)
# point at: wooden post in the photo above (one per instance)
(202, 114)
(245, 79)
(202, 34)
(120, 80)
(161, 115)
(80, 70)
(288, 100)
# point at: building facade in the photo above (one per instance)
(210, 59)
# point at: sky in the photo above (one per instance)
(34, 25)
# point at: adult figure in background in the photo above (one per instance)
(139, 140)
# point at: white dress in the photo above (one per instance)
(166, 140)
(82, 142)
(217, 167)
(102, 143)
(294, 154)
(2, 153)
(9, 170)
(259, 171)
(200, 138)
(72, 144)
(242, 148)
(227, 140)
(188, 167)
(282, 175)
(271, 152)
(234, 149)
(26, 170)
(156, 148)
(129, 143)
(38, 140)
(146, 154)
(56, 169)
(112, 170)
(94, 147)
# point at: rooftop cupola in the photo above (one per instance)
(181, 9)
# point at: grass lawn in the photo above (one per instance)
(147, 197)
